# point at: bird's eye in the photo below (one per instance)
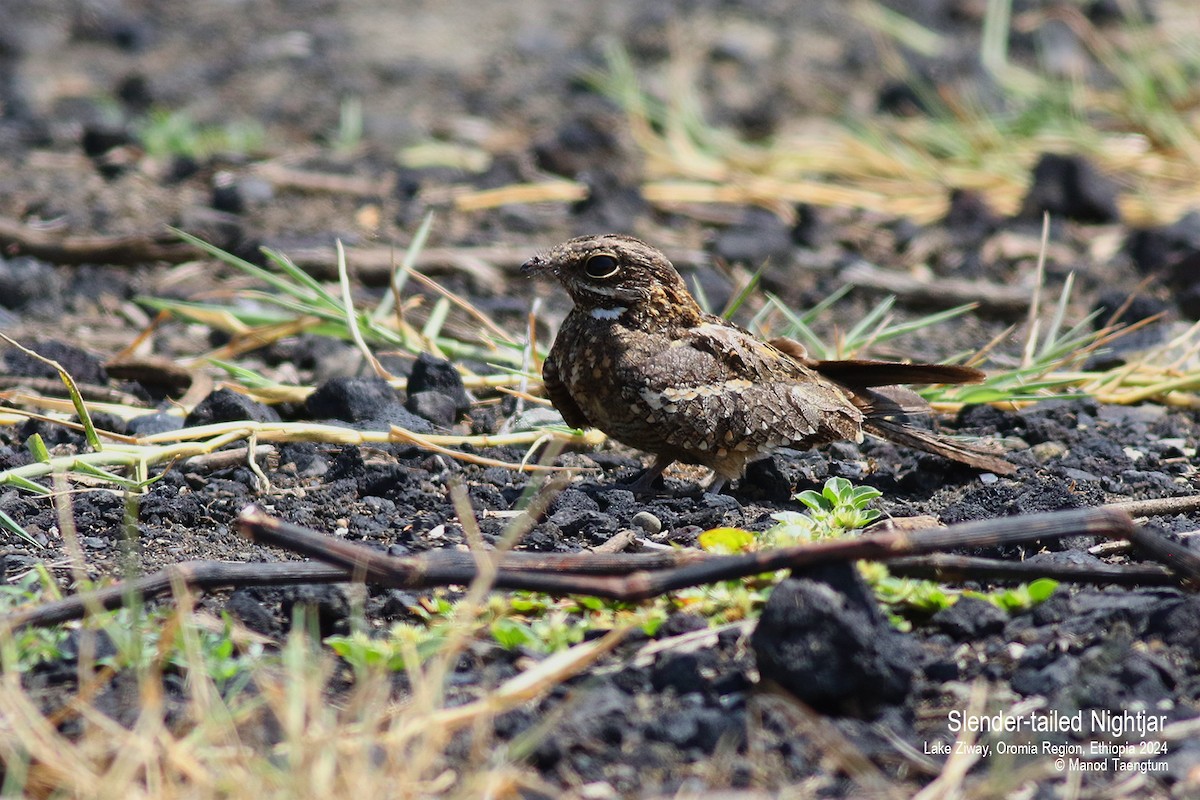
(601, 266)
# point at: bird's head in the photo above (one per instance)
(614, 273)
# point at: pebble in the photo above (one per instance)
(647, 522)
(1044, 451)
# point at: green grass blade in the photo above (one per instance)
(740, 298)
(300, 276)
(247, 377)
(437, 319)
(85, 468)
(902, 328)
(10, 525)
(22, 482)
(37, 448)
(266, 276)
(867, 329)
(700, 295)
(400, 275)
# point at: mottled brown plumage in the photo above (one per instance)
(637, 358)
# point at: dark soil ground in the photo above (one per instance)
(502, 87)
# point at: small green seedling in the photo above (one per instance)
(839, 507)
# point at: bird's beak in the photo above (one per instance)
(535, 266)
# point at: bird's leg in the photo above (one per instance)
(715, 483)
(642, 485)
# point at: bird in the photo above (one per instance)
(640, 360)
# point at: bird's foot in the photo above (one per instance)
(643, 485)
(714, 484)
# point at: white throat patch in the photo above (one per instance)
(607, 313)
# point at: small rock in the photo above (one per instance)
(1070, 187)
(970, 619)
(24, 280)
(431, 374)
(433, 406)
(823, 638)
(158, 422)
(647, 522)
(243, 606)
(1044, 451)
(680, 671)
(327, 603)
(810, 230)
(577, 522)
(226, 405)
(582, 143)
(351, 399)
(762, 236)
(1155, 248)
(83, 366)
(765, 480)
(969, 214)
(900, 100)
(611, 204)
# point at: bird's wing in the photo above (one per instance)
(731, 388)
(561, 397)
(862, 373)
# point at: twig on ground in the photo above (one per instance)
(221, 459)
(306, 180)
(644, 584)
(1159, 506)
(944, 292)
(620, 541)
(207, 575)
(640, 576)
(54, 388)
(951, 568)
(1176, 555)
(139, 248)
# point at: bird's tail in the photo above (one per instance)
(860, 373)
(930, 442)
(888, 409)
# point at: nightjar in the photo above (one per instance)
(638, 358)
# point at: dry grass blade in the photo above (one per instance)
(949, 784)
(352, 315)
(77, 403)
(549, 192)
(532, 683)
(424, 442)
(903, 167)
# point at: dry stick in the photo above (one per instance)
(437, 568)
(1176, 555)
(641, 585)
(944, 292)
(445, 567)
(54, 388)
(1159, 506)
(566, 573)
(194, 574)
(951, 568)
(19, 239)
(223, 459)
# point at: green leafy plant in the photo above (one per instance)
(405, 644)
(31, 646)
(907, 598)
(1021, 597)
(175, 133)
(839, 507)
(726, 540)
